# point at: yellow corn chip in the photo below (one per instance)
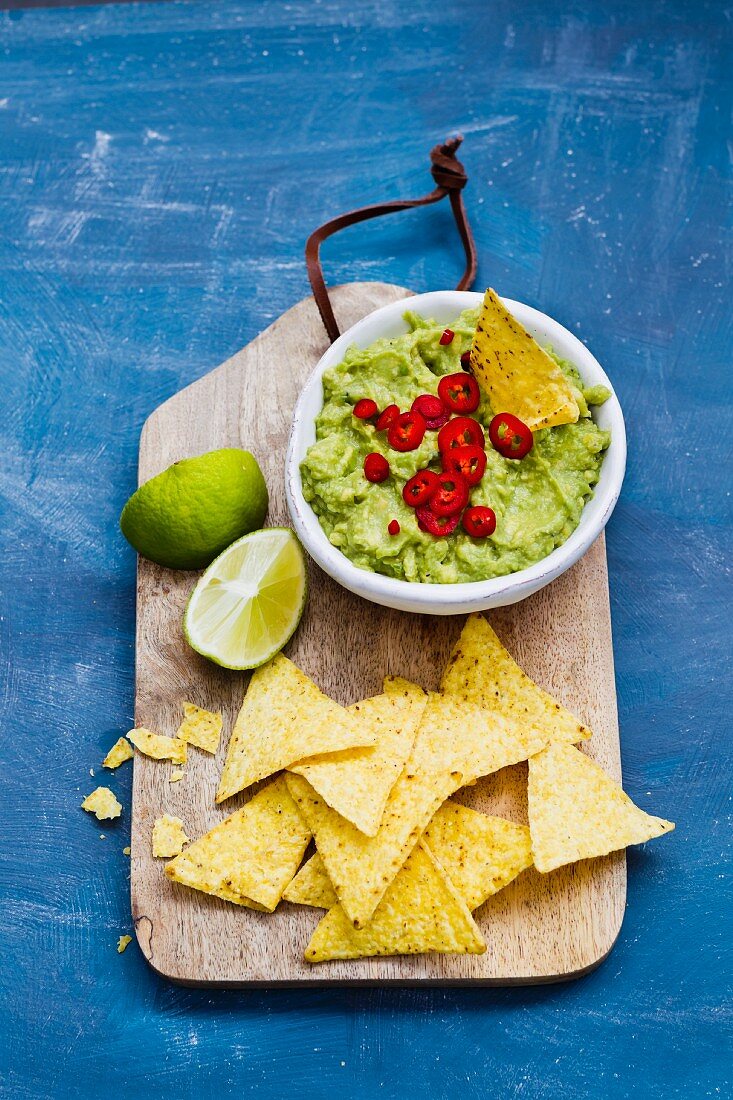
(252, 855)
(311, 886)
(169, 837)
(157, 746)
(576, 811)
(118, 754)
(122, 943)
(481, 671)
(356, 783)
(518, 375)
(284, 719)
(455, 743)
(480, 854)
(102, 803)
(201, 728)
(421, 911)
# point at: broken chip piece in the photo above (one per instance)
(102, 803)
(118, 754)
(517, 375)
(169, 837)
(157, 746)
(252, 855)
(356, 783)
(577, 811)
(421, 911)
(122, 943)
(176, 776)
(200, 727)
(482, 671)
(284, 719)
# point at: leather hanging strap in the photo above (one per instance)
(450, 179)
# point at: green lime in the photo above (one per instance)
(249, 601)
(188, 514)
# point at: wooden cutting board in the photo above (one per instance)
(542, 927)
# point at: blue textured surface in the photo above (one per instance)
(160, 168)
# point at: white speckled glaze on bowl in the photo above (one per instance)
(453, 599)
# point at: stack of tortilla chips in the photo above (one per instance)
(399, 866)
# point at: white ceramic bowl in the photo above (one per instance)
(453, 599)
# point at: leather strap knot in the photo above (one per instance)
(447, 170)
(450, 179)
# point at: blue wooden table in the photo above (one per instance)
(160, 168)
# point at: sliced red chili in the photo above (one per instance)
(446, 337)
(436, 525)
(433, 409)
(461, 431)
(466, 359)
(450, 495)
(470, 462)
(387, 417)
(393, 527)
(376, 467)
(510, 436)
(406, 432)
(479, 522)
(459, 392)
(365, 409)
(419, 488)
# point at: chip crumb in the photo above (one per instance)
(122, 943)
(91, 772)
(157, 746)
(169, 837)
(126, 850)
(102, 836)
(176, 776)
(118, 754)
(102, 803)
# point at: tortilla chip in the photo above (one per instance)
(576, 811)
(102, 803)
(455, 743)
(421, 911)
(252, 855)
(176, 776)
(480, 854)
(312, 886)
(157, 746)
(517, 375)
(118, 754)
(284, 720)
(201, 728)
(356, 783)
(481, 671)
(169, 837)
(122, 943)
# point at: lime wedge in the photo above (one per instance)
(249, 601)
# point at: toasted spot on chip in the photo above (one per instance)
(482, 671)
(311, 886)
(118, 754)
(455, 743)
(480, 854)
(252, 855)
(122, 943)
(169, 837)
(518, 375)
(200, 727)
(284, 719)
(158, 746)
(102, 803)
(176, 776)
(356, 783)
(576, 811)
(421, 911)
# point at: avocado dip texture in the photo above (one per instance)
(537, 500)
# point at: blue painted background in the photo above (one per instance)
(160, 168)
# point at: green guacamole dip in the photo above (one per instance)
(538, 500)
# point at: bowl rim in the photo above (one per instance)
(463, 595)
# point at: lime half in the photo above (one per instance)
(249, 601)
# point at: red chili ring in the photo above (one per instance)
(419, 488)
(376, 467)
(459, 392)
(479, 522)
(387, 417)
(450, 495)
(436, 525)
(446, 336)
(406, 432)
(468, 461)
(365, 409)
(510, 436)
(461, 431)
